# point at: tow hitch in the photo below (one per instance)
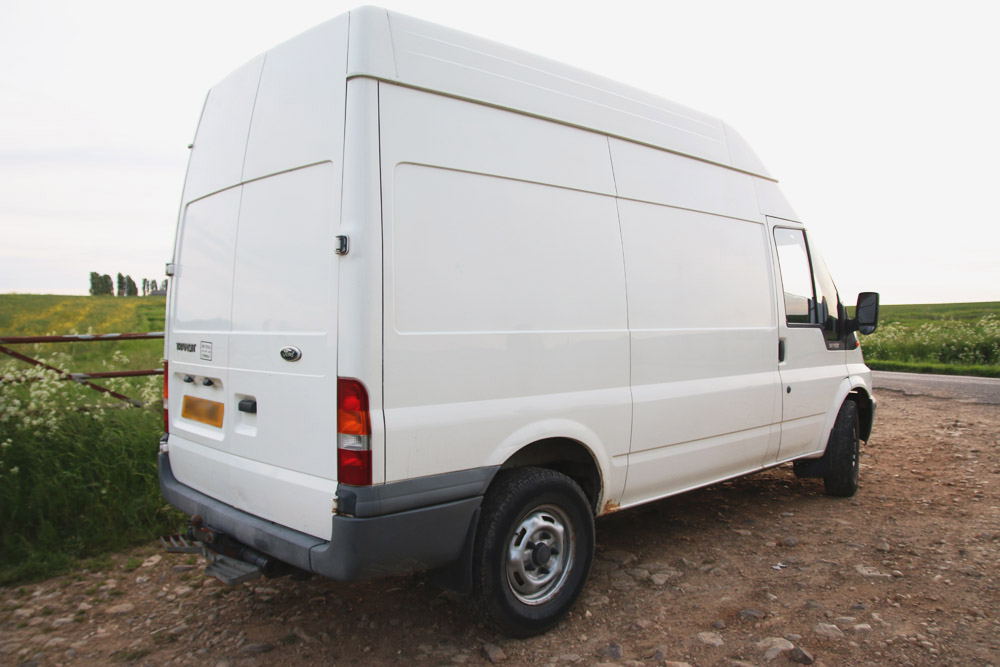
(229, 561)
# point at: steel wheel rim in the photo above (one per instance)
(540, 554)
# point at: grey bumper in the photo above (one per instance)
(425, 525)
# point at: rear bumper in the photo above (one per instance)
(428, 527)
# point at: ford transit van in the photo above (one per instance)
(437, 303)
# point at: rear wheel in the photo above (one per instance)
(533, 552)
(844, 450)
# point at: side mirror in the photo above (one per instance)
(865, 314)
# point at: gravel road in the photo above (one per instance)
(764, 570)
(958, 387)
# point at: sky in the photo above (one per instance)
(881, 120)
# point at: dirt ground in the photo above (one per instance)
(761, 570)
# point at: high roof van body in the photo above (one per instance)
(437, 303)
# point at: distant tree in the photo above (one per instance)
(152, 285)
(95, 283)
(130, 287)
(145, 286)
(121, 285)
(107, 285)
(163, 285)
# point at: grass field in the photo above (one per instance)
(42, 314)
(77, 469)
(954, 338)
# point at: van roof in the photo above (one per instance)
(401, 49)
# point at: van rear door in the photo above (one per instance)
(256, 282)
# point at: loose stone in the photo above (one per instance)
(620, 557)
(259, 647)
(751, 615)
(612, 651)
(871, 572)
(493, 653)
(774, 646)
(801, 656)
(121, 609)
(711, 638)
(827, 631)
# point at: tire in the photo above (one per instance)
(844, 449)
(520, 587)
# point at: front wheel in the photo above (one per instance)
(534, 548)
(844, 450)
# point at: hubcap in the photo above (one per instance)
(540, 555)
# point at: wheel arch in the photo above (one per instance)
(567, 456)
(854, 389)
(866, 410)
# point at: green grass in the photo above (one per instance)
(44, 314)
(77, 469)
(949, 338)
(917, 314)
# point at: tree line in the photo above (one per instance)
(104, 285)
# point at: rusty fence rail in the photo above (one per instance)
(82, 378)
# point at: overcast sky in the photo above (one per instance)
(880, 119)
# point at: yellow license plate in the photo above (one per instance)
(203, 410)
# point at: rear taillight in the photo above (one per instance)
(354, 434)
(166, 415)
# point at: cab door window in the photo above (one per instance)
(809, 292)
(796, 276)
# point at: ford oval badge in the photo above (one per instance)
(291, 353)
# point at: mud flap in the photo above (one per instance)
(808, 468)
(457, 576)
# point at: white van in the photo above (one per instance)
(437, 303)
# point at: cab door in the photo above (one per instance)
(811, 355)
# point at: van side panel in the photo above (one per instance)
(505, 298)
(651, 175)
(702, 318)
(435, 58)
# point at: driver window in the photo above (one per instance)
(796, 276)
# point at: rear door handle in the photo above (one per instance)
(781, 350)
(248, 405)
